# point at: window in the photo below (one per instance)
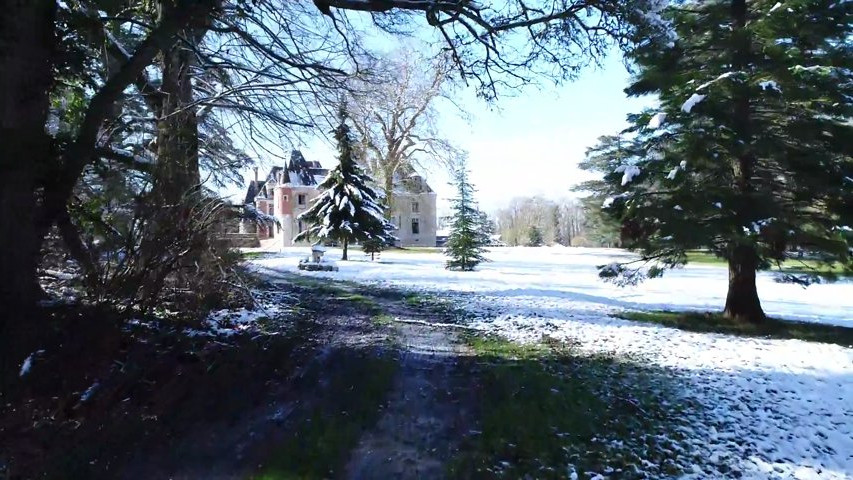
(271, 209)
(415, 207)
(300, 199)
(285, 199)
(416, 226)
(299, 226)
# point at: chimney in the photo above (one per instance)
(256, 174)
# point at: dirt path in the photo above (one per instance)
(355, 382)
(428, 411)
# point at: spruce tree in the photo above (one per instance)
(557, 225)
(750, 154)
(349, 209)
(372, 247)
(468, 230)
(534, 237)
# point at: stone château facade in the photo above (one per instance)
(288, 191)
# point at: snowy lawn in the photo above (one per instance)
(552, 279)
(769, 408)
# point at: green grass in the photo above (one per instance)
(545, 411)
(772, 328)
(416, 250)
(490, 346)
(382, 319)
(358, 299)
(792, 266)
(699, 256)
(354, 389)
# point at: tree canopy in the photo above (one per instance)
(749, 154)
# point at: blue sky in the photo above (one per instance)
(530, 144)
(527, 144)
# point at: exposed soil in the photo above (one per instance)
(165, 405)
(429, 410)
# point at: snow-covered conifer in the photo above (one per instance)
(469, 234)
(349, 210)
(750, 152)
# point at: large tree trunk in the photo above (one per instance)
(177, 173)
(26, 51)
(742, 303)
(389, 195)
(346, 243)
(177, 179)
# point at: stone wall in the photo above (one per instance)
(404, 213)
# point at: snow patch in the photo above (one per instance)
(657, 120)
(87, 395)
(628, 173)
(691, 102)
(709, 83)
(770, 85)
(27, 365)
(672, 173)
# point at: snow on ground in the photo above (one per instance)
(771, 408)
(269, 304)
(565, 279)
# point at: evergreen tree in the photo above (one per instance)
(468, 231)
(611, 152)
(557, 225)
(750, 154)
(372, 247)
(534, 237)
(349, 210)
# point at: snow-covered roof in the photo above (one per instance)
(298, 172)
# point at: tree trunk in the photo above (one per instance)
(177, 180)
(346, 242)
(742, 303)
(177, 173)
(26, 52)
(79, 251)
(389, 195)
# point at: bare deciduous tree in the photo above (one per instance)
(394, 112)
(558, 221)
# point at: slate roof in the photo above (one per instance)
(298, 172)
(255, 187)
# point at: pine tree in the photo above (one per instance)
(534, 237)
(372, 247)
(349, 210)
(557, 225)
(750, 154)
(468, 230)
